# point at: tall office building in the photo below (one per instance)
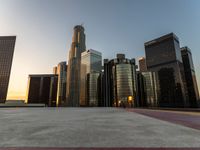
(61, 71)
(42, 88)
(142, 64)
(93, 88)
(7, 45)
(119, 82)
(74, 66)
(191, 82)
(163, 56)
(91, 61)
(147, 89)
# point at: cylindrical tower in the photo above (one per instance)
(74, 63)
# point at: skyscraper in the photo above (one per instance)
(61, 71)
(163, 56)
(7, 45)
(42, 88)
(189, 70)
(93, 88)
(147, 89)
(91, 61)
(119, 81)
(142, 64)
(74, 66)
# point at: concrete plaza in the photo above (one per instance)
(90, 127)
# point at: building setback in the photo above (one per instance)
(91, 61)
(42, 89)
(119, 82)
(191, 82)
(7, 45)
(163, 56)
(74, 66)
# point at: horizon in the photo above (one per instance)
(119, 19)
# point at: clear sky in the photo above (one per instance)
(44, 30)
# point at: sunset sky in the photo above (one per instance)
(44, 30)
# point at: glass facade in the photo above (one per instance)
(163, 56)
(7, 45)
(61, 71)
(150, 89)
(120, 82)
(93, 91)
(91, 61)
(192, 88)
(123, 85)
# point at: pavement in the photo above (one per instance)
(95, 128)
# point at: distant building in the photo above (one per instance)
(74, 67)
(61, 71)
(93, 89)
(55, 70)
(163, 56)
(147, 89)
(42, 89)
(119, 82)
(7, 46)
(189, 70)
(91, 61)
(142, 64)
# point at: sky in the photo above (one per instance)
(44, 30)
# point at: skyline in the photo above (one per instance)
(36, 29)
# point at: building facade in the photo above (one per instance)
(120, 86)
(191, 82)
(163, 56)
(142, 64)
(61, 71)
(91, 61)
(7, 46)
(74, 67)
(42, 89)
(93, 89)
(147, 89)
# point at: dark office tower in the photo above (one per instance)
(42, 89)
(142, 64)
(7, 45)
(192, 88)
(61, 71)
(163, 56)
(74, 66)
(120, 81)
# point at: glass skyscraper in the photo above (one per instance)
(61, 71)
(147, 89)
(119, 81)
(74, 67)
(7, 45)
(191, 82)
(163, 56)
(91, 61)
(93, 88)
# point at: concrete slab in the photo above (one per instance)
(89, 127)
